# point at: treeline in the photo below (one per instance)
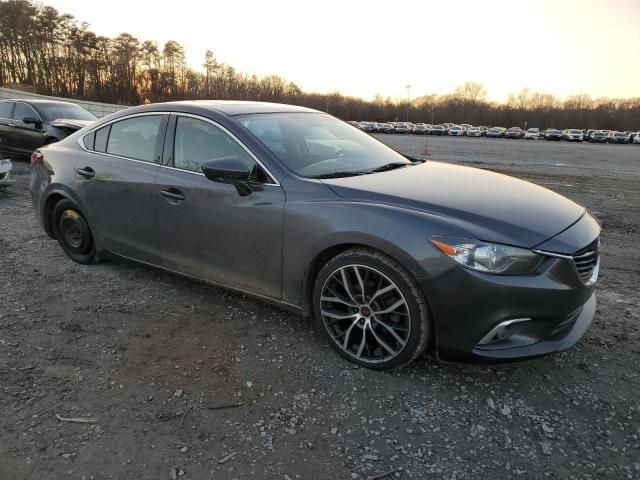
(58, 55)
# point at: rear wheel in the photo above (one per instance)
(73, 233)
(371, 309)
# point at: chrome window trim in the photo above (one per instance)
(80, 142)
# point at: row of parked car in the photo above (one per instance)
(451, 129)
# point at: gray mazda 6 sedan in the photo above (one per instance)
(391, 255)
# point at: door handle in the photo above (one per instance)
(11, 124)
(173, 195)
(86, 172)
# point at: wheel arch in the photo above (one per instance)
(339, 245)
(52, 198)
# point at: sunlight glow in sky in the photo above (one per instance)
(362, 48)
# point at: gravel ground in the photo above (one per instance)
(187, 381)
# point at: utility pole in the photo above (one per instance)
(408, 99)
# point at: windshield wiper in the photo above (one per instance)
(340, 174)
(390, 166)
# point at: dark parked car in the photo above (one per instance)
(368, 127)
(587, 134)
(384, 128)
(26, 125)
(496, 132)
(438, 130)
(552, 134)
(618, 137)
(514, 132)
(420, 129)
(391, 255)
(404, 127)
(599, 136)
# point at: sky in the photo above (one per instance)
(359, 48)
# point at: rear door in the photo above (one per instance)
(26, 137)
(6, 126)
(116, 184)
(207, 229)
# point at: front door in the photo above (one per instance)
(6, 127)
(208, 229)
(26, 137)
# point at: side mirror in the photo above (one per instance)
(226, 170)
(32, 121)
(229, 170)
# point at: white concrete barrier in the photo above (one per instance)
(98, 109)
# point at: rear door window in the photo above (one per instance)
(5, 109)
(134, 138)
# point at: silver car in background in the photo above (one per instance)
(532, 134)
(5, 173)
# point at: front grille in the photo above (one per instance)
(586, 260)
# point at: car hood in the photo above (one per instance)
(487, 205)
(70, 123)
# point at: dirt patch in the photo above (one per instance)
(189, 381)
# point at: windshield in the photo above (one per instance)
(316, 144)
(54, 111)
(576, 132)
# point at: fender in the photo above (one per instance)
(399, 233)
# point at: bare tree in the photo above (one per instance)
(54, 54)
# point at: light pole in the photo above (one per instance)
(408, 99)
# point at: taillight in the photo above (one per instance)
(36, 157)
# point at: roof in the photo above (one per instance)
(35, 101)
(238, 107)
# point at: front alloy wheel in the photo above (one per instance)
(371, 309)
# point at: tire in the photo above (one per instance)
(73, 233)
(393, 337)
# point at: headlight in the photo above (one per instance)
(488, 257)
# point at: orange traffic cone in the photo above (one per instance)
(426, 150)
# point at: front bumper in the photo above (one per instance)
(522, 345)
(547, 312)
